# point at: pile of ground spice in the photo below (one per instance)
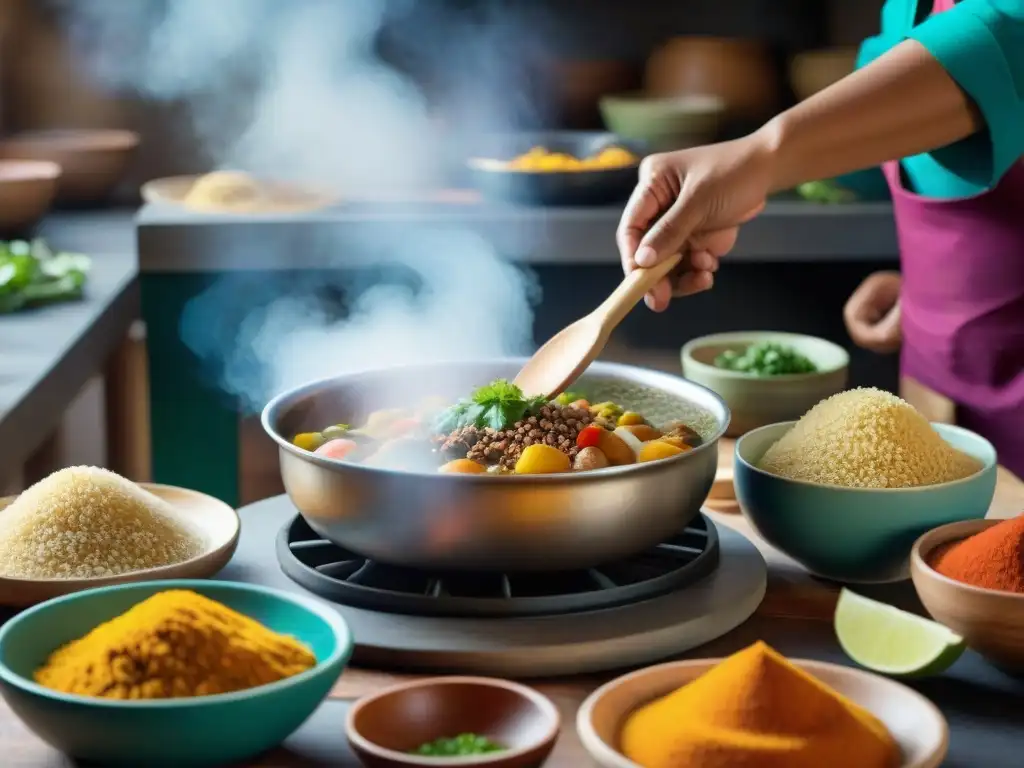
(756, 708)
(554, 425)
(992, 559)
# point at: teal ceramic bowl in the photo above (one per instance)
(755, 401)
(856, 535)
(203, 731)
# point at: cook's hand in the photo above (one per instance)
(692, 201)
(872, 313)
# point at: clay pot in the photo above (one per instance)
(739, 72)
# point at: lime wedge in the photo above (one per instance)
(887, 640)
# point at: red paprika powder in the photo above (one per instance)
(992, 559)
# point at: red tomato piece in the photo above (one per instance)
(589, 436)
(336, 449)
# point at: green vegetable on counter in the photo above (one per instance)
(828, 192)
(32, 275)
(461, 745)
(766, 358)
(497, 405)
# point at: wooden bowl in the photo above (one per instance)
(93, 161)
(217, 522)
(916, 724)
(991, 622)
(740, 72)
(813, 71)
(27, 190)
(383, 728)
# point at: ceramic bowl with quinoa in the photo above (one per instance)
(856, 534)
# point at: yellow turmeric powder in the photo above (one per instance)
(757, 709)
(174, 644)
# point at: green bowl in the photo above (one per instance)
(759, 400)
(856, 535)
(208, 730)
(663, 123)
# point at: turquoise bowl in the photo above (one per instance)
(202, 731)
(856, 535)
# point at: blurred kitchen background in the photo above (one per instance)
(479, 67)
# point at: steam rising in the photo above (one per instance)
(293, 89)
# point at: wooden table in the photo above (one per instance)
(795, 617)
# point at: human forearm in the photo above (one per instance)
(902, 104)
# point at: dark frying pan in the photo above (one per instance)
(599, 187)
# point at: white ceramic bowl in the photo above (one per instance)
(916, 724)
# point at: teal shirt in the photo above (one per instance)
(980, 43)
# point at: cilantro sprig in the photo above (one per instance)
(497, 405)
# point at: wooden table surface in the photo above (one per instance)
(795, 616)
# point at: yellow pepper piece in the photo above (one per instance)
(630, 419)
(309, 441)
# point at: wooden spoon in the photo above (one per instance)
(567, 354)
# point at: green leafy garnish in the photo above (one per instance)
(31, 275)
(497, 405)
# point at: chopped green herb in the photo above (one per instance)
(461, 745)
(765, 359)
(496, 405)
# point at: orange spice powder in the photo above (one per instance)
(991, 559)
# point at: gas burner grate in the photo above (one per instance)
(344, 577)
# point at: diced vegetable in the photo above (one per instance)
(629, 439)
(336, 449)
(677, 441)
(590, 458)
(765, 359)
(540, 459)
(309, 441)
(569, 397)
(643, 432)
(463, 467)
(589, 436)
(658, 449)
(630, 419)
(616, 449)
(335, 431)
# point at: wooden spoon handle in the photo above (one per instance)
(633, 288)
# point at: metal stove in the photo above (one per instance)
(685, 592)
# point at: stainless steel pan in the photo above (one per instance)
(494, 523)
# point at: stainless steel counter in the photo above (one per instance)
(175, 240)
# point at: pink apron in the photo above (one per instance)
(962, 302)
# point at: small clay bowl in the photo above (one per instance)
(93, 160)
(382, 729)
(27, 189)
(991, 622)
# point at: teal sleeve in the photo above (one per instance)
(897, 18)
(870, 184)
(980, 43)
